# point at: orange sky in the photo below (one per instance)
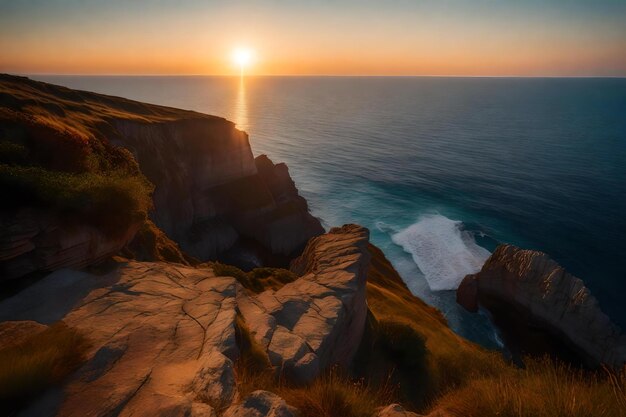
(448, 37)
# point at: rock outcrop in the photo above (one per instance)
(542, 292)
(261, 404)
(163, 336)
(317, 320)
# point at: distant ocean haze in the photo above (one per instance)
(440, 170)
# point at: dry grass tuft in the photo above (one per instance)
(38, 362)
(335, 394)
(543, 389)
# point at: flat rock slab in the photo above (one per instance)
(162, 338)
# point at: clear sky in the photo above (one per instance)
(352, 37)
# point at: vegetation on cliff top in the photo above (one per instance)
(56, 153)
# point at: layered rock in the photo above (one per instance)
(34, 240)
(163, 336)
(542, 292)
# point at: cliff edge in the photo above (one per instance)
(84, 171)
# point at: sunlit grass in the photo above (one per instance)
(542, 389)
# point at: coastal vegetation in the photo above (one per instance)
(46, 162)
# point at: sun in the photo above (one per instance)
(242, 57)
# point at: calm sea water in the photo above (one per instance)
(440, 169)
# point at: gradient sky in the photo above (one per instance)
(353, 37)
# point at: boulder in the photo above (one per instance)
(541, 292)
(317, 320)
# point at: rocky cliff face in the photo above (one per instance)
(539, 291)
(163, 336)
(211, 194)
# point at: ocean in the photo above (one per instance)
(441, 170)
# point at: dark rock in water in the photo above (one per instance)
(537, 300)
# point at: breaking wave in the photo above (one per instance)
(442, 250)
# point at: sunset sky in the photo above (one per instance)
(367, 37)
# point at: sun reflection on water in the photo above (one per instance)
(241, 107)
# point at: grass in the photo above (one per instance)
(38, 362)
(543, 389)
(335, 394)
(257, 280)
(56, 154)
(332, 394)
(427, 359)
(110, 202)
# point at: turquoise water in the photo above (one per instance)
(440, 169)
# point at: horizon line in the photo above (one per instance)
(311, 75)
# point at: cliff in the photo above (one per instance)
(79, 196)
(535, 291)
(158, 332)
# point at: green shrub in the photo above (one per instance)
(111, 202)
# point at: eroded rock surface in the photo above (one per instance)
(261, 404)
(543, 291)
(163, 336)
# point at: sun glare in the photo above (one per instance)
(242, 57)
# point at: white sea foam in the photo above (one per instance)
(442, 250)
